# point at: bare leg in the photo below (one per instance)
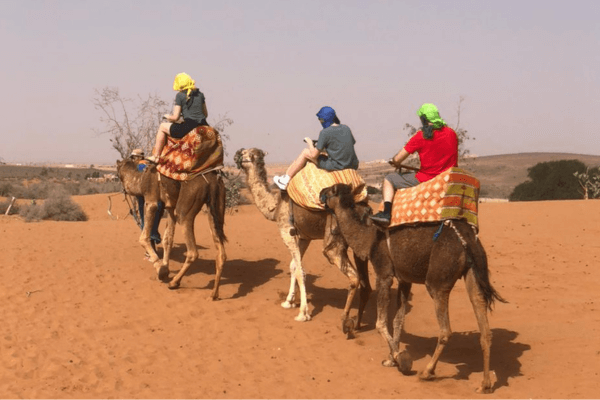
(299, 163)
(387, 191)
(161, 138)
(479, 306)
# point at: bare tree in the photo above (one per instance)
(134, 124)
(131, 125)
(461, 133)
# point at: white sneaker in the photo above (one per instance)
(281, 181)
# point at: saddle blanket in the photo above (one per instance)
(454, 194)
(198, 151)
(305, 187)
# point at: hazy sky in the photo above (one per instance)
(528, 70)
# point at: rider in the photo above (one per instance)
(189, 103)
(437, 146)
(335, 139)
(137, 156)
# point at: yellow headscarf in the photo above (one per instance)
(184, 82)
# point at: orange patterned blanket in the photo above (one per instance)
(454, 194)
(305, 187)
(198, 151)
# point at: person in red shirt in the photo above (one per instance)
(437, 146)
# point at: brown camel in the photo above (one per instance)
(298, 227)
(410, 254)
(183, 201)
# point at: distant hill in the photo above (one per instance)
(498, 174)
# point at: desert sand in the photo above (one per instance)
(83, 315)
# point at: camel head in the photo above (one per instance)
(338, 195)
(254, 156)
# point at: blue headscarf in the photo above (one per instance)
(327, 114)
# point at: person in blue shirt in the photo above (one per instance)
(137, 156)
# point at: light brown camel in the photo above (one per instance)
(411, 254)
(298, 227)
(183, 201)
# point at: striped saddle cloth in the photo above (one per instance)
(305, 187)
(197, 152)
(454, 194)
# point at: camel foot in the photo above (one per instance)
(389, 363)
(173, 285)
(213, 297)
(348, 328)
(302, 318)
(163, 273)
(404, 362)
(484, 390)
(287, 304)
(427, 376)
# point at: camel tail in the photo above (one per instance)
(217, 209)
(479, 265)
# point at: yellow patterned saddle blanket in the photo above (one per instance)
(454, 194)
(197, 152)
(305, 187)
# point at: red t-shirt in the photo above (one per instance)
(436, 155)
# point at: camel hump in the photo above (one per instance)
(198, 151)
(305, 187)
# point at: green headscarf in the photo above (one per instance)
(432, 114)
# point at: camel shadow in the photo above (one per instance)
(464, 351)
(248, 274)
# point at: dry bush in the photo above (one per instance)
(57, 207)
(4, 206)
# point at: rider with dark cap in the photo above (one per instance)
(335, 139)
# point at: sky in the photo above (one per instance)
(528, 71)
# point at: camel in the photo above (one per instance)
(298, 227)
(183, 201)
(411, 254)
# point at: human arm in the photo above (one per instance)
(204, 110)
(175, 114)
(399, 157)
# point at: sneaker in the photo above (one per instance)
(382, 218)
(281, 181)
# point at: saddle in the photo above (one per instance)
(200, 151)
(305, 187)
(454, 194)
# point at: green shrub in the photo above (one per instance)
(57, 207)
(554, 180)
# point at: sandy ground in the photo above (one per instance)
(83, 315)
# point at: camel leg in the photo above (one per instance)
(335, 250)
(362, 267)
(402, 358)
(191, 253)
(302, 247)
(440, 300)
(149, 214)
(479, 306)
(162, 268)
(221, 256)
(383, 285)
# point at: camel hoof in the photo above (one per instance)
(484, 390)
(404, 362)
(287, 304)
(348, 328)
(427, 376)
(302, 318)
(163, 273)
(173, 285)
(389, 363)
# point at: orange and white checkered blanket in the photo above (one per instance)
(454, 194)
(198, 151)
(305, 187)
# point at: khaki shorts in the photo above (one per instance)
(402, 181)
